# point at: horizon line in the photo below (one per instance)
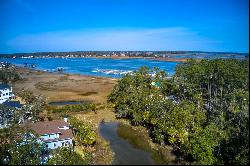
(128, 51)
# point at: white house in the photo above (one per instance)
(5, 93)
(54, 133)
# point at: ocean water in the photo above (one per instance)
(114, 68)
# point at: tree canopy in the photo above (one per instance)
(66, 156)
(20, 147)
(9, 75)
(202, 110)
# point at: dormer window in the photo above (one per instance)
(63, 127)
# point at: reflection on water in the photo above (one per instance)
(128, 145)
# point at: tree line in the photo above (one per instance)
(202, 111)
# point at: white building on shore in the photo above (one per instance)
(5, 93)
(54, 133)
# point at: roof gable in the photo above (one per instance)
(50, 127)
(15, 104)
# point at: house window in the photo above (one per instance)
(67, 143)
(54, 144)
(62, 143)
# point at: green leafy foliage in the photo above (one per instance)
(202, 144)
(202, 110)
(86, 107)
(20, 147)
(9, 75)
(83, 132)
(66, 156)
(35, 104)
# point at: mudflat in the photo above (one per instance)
(65, 87)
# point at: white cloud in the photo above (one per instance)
(176, 38)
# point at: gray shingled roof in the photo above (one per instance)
(15, 104)
(49, 127)
(3, 86)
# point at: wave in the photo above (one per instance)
(117, 72)
(112, 71)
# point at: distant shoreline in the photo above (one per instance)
(167, 59)
(168, 56)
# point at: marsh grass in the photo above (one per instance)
(88, 93)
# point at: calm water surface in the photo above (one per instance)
(94, 66)
(115, 68)
(129, 146)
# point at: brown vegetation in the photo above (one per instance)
(65, 87)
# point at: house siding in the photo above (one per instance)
(54, 134)
(50, 136)
(6, 94)
(59, 143)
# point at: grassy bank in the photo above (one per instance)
(108, 115)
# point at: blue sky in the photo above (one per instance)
(82, 25)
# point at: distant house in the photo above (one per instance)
(54, 133)
(8, 107)
(5, 93)
(156, 84)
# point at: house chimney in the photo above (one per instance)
(65, 119)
